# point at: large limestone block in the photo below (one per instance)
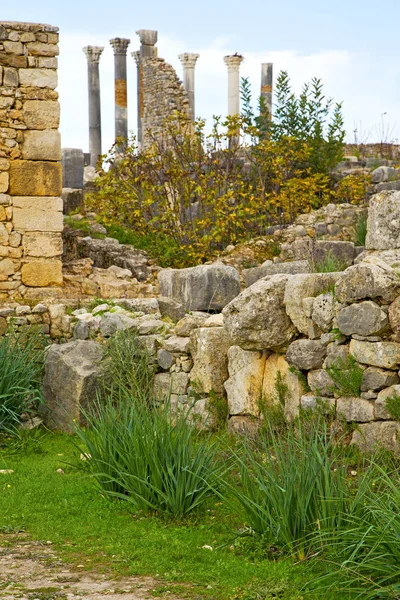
(244, 386)
(42, 145)
(277, 370)
(381, 412)
(256, 319)
(323, 311)
(300, 287)
(368, 279)
(6, 269)
(377, 354)
(42, 273)
(365, 318)
(42, 245)
(306, 354)
(355, 409)
(383, 230)
(378, 434)
(209, 349)
(383, 173)
(41, 114)
(35, 178)
(377, 379)
(71, 378)
(166, 384)
(42, 78)
(320, 383)
(37, 214)
(4, 182)
(288, 268)
(113, 322)
(206, 287)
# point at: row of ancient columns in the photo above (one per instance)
(148, 40)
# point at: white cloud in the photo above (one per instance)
(367, 88)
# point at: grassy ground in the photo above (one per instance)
(87, 529)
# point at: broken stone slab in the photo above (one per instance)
(244, 386)
(257, 319)
(72, 200)
(206, 287)
(189, 323)
(390, 186)
(165, 359)
(377, 379)
(171, 308)
(383, 231)
(365, 319)
(289, 268)
(72, 168)
(355, 410)
(377, 354)
(209, 350)
(368, 280)
(111, 323)
(177, 344)
(377, 434)
(71, 378)
(306, 354)
(148, 306)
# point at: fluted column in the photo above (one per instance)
(136, 56)
(266, 85)
(93, 54)
(233, 63)
(188, 61)
(120, 47)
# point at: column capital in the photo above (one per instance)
(136, 56)
(148, 37)
(93, 53)
(233, 61)
(188, 60)
(120, 45)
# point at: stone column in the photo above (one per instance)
(136, 56)
(233, 63)
(93, 54)
(266, 85)
(120, 47)
(148, 39)
(189, 62)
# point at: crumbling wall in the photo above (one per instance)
(162, 94)
(31, 218)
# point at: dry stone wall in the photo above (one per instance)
(31, 218)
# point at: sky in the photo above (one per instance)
(351, 45)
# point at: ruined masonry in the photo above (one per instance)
(31, 219)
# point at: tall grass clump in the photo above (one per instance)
(149, 456)
(21, 365)
(292, 486)
(360, 232)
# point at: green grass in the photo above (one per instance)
(86, 528)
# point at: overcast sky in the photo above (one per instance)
(351, 45)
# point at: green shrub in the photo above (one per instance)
(393, 406)
(347, 376)
(150, 457)
(21, 365)
(360, 231)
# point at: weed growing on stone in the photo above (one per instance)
(393, 406)
(347, 376)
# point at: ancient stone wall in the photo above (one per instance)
(162, 94)
(31, 218)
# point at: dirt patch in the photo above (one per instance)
(33, 571)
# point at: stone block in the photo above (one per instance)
(323, 311)
(35, 178)
(42, 145)
(41, 273)
(6, 269)
(73, 200)
(37, 214)
(41, 78)
(381, 412)
(371, 278)
(377, 379)
(276, 367)
(377, 354)
(170, 308)
(73, 167)
(209, 349)
(355, 409)
(10, 77)
(379, 434)
(170, 383)
(41, 114)
(42, 245)
(288, 268)
(244, 386)
(4, 182)
(9, 60)
(40, 49)
(383, 231)
(306, 354)
(366, 318)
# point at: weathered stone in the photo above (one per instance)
(166, 384)
(355, 409)
(277, 371)
(379, 434)
(209, 349)
(383, 232)
(206, 287)
(185, 326)
(378, 379)
(165, 359)
(381, 412)
(35, 178)
(42, 273)
(71, 378)
(289, 268)
(3, 325)
(149, 306)
(377, 354)
(323, 311)
(170, 308)
(256, 319)
(6, 269)
(4, 181)
(323, 403)
(41, 245)
(320, 383)
(40, 49)
(384, 174)
(176, 344)
(113, 322)
(335, 354)
(394, 317)
(41, 114)
(368, 280)
(73, 167)
(41, 78)
(244, 386)
(73, 200)
(245, 426)
(41, 145)
(38, 214)
(366, 318)
(306, 354)
(300, 287)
